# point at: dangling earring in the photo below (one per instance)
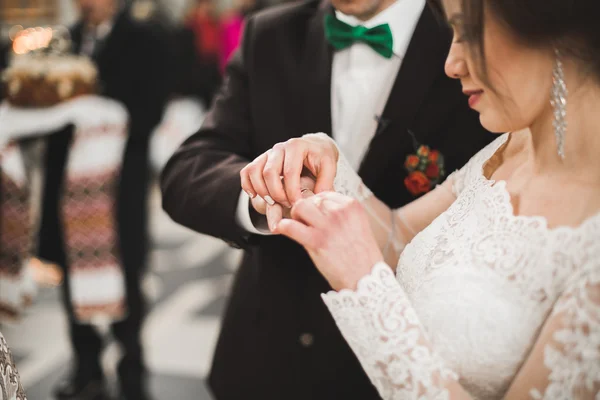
(559, 103)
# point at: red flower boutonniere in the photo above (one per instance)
(425, 169)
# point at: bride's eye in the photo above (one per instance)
(457, 29)
(459, 34)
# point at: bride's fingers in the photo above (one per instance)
(307, 183)
(301, 233)
(327, 171)
(274, 216)
(307, 210)
(292, 172)
(333, 201)
(306, 193)
(272, 175)
(257, 179)
(335, 197)
(252, 170)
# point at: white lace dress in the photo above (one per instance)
(480, 297)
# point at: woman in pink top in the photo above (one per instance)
(232, 25)
(231, 30)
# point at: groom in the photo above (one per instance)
(297, 72)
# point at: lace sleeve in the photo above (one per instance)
(347, 181)
(380, 325)
(10, 384)
(565, 361)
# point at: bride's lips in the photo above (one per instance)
(474, 96)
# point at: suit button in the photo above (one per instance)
(306, 339)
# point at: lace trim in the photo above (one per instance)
(474, 167)
(347, 181)
(574, 357)
(381, 326)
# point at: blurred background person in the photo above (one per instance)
(192, 75)
(190, 273)
(132, 58)
(10, 383)
(204, 22)
(232, 25)
(5, 46)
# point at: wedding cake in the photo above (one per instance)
(42, 72)
(43, 80)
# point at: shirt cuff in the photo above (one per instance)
(245, 221)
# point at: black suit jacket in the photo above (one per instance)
(133, 68)
(278, 87)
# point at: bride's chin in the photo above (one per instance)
(493, 123)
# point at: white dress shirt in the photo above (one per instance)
(361, 82)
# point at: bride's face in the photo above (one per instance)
(512, 88)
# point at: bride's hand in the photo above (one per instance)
(313, 153)
(335, 231)
(276, 212)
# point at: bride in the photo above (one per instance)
(497, 291)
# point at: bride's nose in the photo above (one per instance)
(456, 66)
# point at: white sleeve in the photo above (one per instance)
(245, 221)
(382, 328)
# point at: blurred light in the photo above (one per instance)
(30, 39)
(14, 31)
(48, 34)
(19, 46)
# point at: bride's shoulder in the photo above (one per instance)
(489, 159)
(516, 143)
(510, 151)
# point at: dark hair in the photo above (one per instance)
(570, 26)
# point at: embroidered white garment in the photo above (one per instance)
(10, 383)
(484, 299)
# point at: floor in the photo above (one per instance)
(189, 280)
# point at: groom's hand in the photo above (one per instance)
(314, 153)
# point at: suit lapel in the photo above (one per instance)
(421, 66)
(316, 66)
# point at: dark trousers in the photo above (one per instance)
(132, 226)
(87, 343)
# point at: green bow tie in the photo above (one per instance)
(342, 35)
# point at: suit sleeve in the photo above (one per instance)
(201, 182)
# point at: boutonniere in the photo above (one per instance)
(425, 168)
